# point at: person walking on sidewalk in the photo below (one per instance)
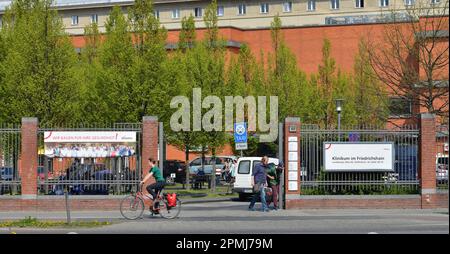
(274, 183)
(259, 177)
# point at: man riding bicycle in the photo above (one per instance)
(156, 173)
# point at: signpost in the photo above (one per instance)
(240, 136)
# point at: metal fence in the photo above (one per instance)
(315, 181)
(442, 157)
(90, 176)
(10, 141)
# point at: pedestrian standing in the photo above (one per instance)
(274, 183)
(259, 178)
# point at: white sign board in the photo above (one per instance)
(293, 176)
(241, 146)
(293, 156)
(358, 156)
(89, 144)
(293, 185)
(293, 166)
(293, 147)
(89, 136)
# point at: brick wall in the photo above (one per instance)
(29, 157)
(427, 157)
(362, 202)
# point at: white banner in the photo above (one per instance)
(89, 136)
(358, 156)
(89, 144)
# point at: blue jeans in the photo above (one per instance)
(262, 194)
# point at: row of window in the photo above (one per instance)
(264, 8)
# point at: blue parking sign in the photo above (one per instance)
(240, 132)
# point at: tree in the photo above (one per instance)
(187, 34)
(183, 140)
(37, 66)
(211, 79)
(326, 77)
(370, 95)
(92, 100)
(148, 64)
(411, 59)
(116, 58)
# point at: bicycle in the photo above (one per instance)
(132, 207)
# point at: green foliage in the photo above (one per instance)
(37, 66)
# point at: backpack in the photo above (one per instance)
(172, 199)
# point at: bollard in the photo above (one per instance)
(66, 196)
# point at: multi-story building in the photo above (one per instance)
(244, 14)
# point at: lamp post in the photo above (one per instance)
(339, 103)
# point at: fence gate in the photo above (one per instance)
(101, 175)
(313, 180)
(10, 142)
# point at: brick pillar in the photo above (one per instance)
(149, 143)
(427, 161)
(292, 157)
(29, 157)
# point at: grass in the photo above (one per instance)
(29, 222)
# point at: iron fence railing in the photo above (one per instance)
(10, 142)
(314, 180)
(442, 157)
(90, 176)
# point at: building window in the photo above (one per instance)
(156, 13)
(176, 13)
(287, 6)
(74, 20)
(311, 5)
(384, 3)
(264, 8)
(334, 4)
(399, 107)
(242, 9)
(435, 1)
(409, 2)
(94, 18)
(198, 12)
(359, 3)
(220, 11)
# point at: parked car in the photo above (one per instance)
(196, 164)
(6, 173)
(245, 167)
(176, 167)
(442, 168)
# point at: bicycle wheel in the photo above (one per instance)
(132, 207)
(169, 212)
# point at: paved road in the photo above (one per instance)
(233, 217)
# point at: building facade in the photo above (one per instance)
(245, 14)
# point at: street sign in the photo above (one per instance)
(240, 132)
(241, 146)
(240, 136)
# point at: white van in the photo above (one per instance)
(243, 181)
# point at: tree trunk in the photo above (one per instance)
(213, 173)
(188, 184)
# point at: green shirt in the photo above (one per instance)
(271, 171)
(157, 174)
